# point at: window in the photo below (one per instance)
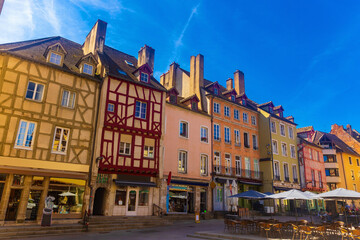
(330, 158)
(357, 162)
(227, 163)
(110, 107)
(143, 196)
(217, 166)
(148, 151)
(173, 98)
(68, 99)
(194, 106)
(238, 165)
(204, 165)
(254, 139)
(204, 134)
(227, 134)
(25, 135)
(352, 175)
(316, 156)
(140, 110)
(350, 161)
(354, 187)
(61, 139)
(247, 167)
(295, 174)
(332, 186)
(256, 168)
(276, 171)
(88, 69)
(284, 149)
(237, 137)
(125, 148)
(34, 91)
(184, 129)
(291, 133)
(320, 180)
(275, 147)
(226, 111)
(313, 178)
(246, 140)
(233, 98)
(55, 58)
(216, 91)
(310, 154)
(144, 77)
(182, 162)
(120, 197)
(332, 172)
(292, 151)
(253, 120)
(273, 127)
(282, 129)
(286, 172)
(245, 118)
(236, 114)
(216, 132)
(216, 107)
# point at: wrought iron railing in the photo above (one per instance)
(237, 172)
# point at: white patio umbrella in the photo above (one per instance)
(292, 194)
(67, 194)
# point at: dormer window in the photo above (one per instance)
(88, 69)
(144, 77)
(271, 110)
(233, 98)
(55, 58)
(216, 91)
(243, 102)
(173, 99)
(194, 106)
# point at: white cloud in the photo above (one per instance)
(111, 6)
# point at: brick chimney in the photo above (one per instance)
(229, 84)
(95, 40)
(239, 82)
(146, 55)
(349, 129)
(196, 75)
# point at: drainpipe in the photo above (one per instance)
(93, 149)
(212, 151)
(271, 157)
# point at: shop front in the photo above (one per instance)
(225, 187)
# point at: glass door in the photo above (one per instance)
(13, 204)
(132, 202)
(33, 204)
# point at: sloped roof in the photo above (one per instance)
(305, 129)
(335, 140)
(309, 143)
(34, 50)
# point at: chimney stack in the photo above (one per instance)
(229, 84)
(349, 129)
(239, 82)
(196, 75)
(95, 40)
(146, 55)
(172, 74)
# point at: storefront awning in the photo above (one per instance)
(223, 180)
(250, 182)
(283, 188)
(131, 183)
(203, 184)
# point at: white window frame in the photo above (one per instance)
(204, 164)
(217, 162)
(253, 120)
(217, 137)
(247, 167)
(88, 69)
(286, 173)
(238, 166)
(150, 151)
(282, 127)
(256, 169)
(275, 150)
(255, 144)
(236, 114)
(310, 154)
(226, 111)
(35, 91)
(181, 123)
(204, 134)
(57, 151)
(292, 153)
(144, 77)
(25, 137)
(295, 173)
(315, 155)
(237, 137)
(284, 153)
(122, 149)
(291, 132)
(182, 161)
(67, 101)
(247, 140)
(273, 126)
(227, 163)
(245, 117)
(141, 111)
(54, 58)
(277, 171)
(227, 135)
(216, 108)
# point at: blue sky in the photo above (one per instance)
(304, 55)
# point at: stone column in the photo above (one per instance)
(5, 198)
(209, 198)
(42, 198)
(21, 212)
(197, 198)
